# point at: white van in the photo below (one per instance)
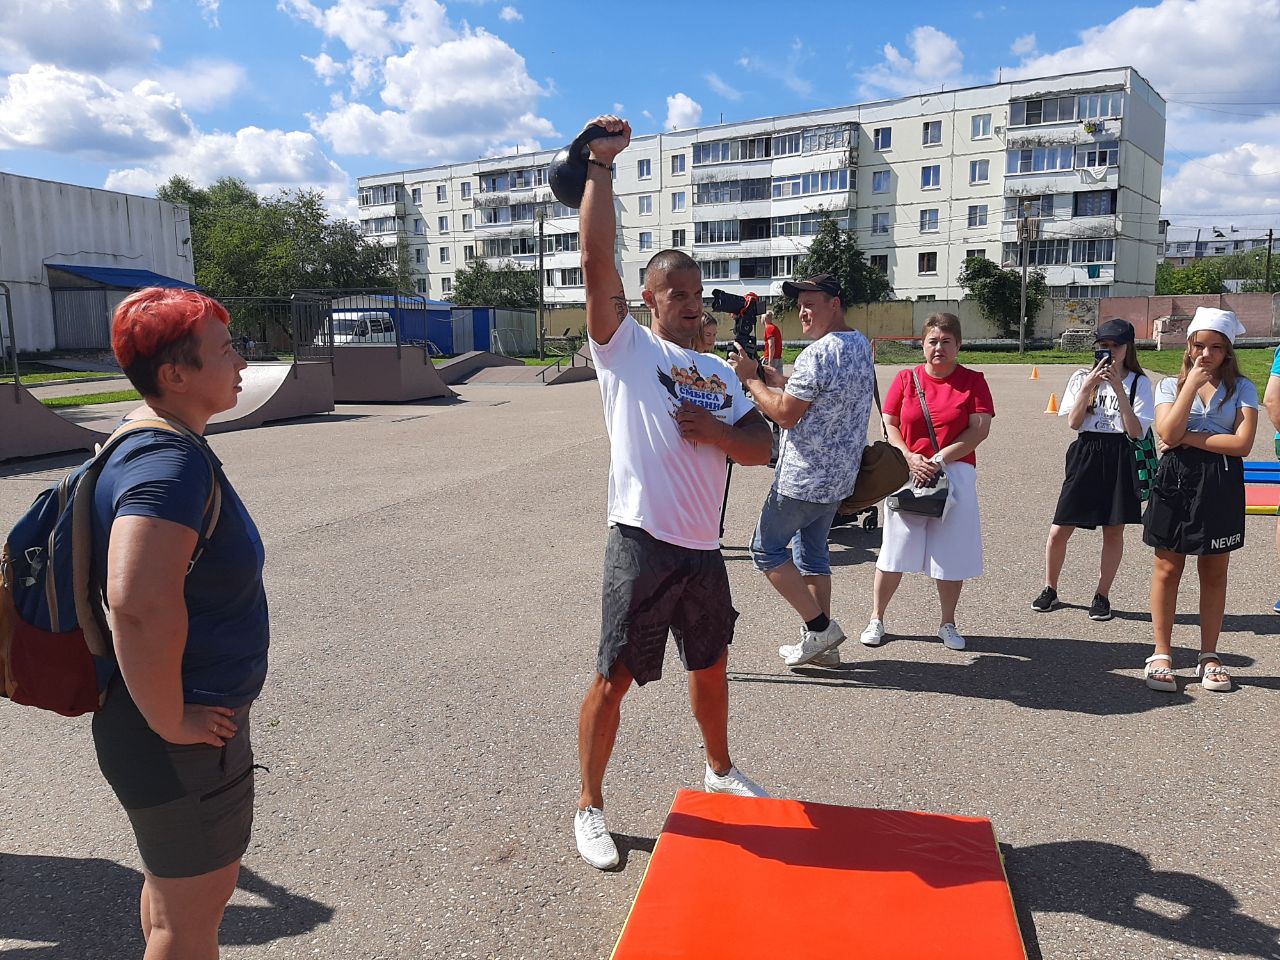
(360, 326)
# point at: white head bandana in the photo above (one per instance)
(1219, 321)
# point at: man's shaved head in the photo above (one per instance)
(665, 262)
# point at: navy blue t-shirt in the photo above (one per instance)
(155, 474)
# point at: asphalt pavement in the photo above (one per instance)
(433, 573)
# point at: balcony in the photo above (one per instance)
(374, 210)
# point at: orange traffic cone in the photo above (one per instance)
(1035, 374)
(1053, 404)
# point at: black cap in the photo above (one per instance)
(822, 283)
(1117, 331)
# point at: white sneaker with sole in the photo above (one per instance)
(594, 842)
(873, 636)
(829, 659)
(733, 781)
(950, 637)
(814, 644)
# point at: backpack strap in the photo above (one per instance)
(91, 603)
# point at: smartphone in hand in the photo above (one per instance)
(1101, 356)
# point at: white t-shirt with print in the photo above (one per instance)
(670, 487)
(1105, 416)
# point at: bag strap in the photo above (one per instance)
(875, 391)
(928, 420)
(1133, 389)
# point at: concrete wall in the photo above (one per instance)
(44, 222)
(1259, 312)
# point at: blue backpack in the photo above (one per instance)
(55, 640)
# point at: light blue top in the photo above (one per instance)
(1220, 418)
(1275, 372)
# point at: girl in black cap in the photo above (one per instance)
(1108, 406)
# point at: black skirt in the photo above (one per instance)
(1197, 503)
(1101, 485)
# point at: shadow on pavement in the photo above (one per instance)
(1116, 885)
(78, 909)
(627, 843)
(1076, 676)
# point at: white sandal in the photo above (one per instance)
(1214, 676)
(1160, 678)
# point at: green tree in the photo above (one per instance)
(1199, 277)
(835, 251)
(505, 285)
(998, 292)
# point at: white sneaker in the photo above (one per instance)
(873, 636)
(950, 637)
(814, 644)
(594, 842)
(829, 659)
(733, 781)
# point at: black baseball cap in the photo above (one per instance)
(822, 283)
(1117, 331)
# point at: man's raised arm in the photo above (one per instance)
(606, 302)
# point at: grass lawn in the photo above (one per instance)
(91, 399)
(30, 378)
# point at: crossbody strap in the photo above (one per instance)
(928, 420)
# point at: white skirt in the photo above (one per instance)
(946, 548)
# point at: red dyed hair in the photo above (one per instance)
(156, 326)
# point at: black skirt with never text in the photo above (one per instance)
(1101, 484)
(1197, 503)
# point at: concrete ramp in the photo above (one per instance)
(377, 373)
(466, 365)
(277, 391)
(30, 429)
(574, 370)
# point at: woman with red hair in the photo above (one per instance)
(180, 561)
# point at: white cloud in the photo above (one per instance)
(723, 89)
(200, 85)
(936, 61)
(619, 109)
(90, 35)
(363, 26)
(1024, 45)
(509, 15)
(646, 114)
(326, 68)
(209, 10)
(1241, 181)
(785, 69)
(682, 112)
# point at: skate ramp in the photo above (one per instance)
(277, 391)
(378, 373)
(466, 365)
(574, 369)
(30, 429)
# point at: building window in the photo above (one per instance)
(977, 215)
(418, 229)
(1039, 160)
(1030, 206)
(819, 139)
(560, 243)
(644, 169)
(1040, 253)
(929, 221)
(931, 177)
(880, 261)
(466, 189)
(731, 191)
(468, 253)
(755, 268)
(446, 285)
(1093, 251)
(731, 151)
(522, 212)
(931, 133)
(1094, 203)
(785, 266)
(521, 179)
(806, 224)
(416, 194)
(880, 181)
(678, 238)
(1029, 113)
(715, 231)
(442, 193)
(807, 183)
(417, 255)
(383, 193)
(979, 254)
(646, 240)
(980, 126)
(468, 221)
(880, 222)
(715, 270)
(566, 277)
(646, 205)
(786, 144)
(677, 202)
(1097, 106)
(1098, 155)
(443, 224)
(677, 163)
(927, 264)
(979, 171)
(444, 254)
(420, 285)
(883, 137)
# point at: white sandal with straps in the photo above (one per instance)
(1214, 676)
(1160, 678)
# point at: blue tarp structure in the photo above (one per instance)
(126, 278)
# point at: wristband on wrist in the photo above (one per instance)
(596, 163)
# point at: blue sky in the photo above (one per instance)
(314, 93)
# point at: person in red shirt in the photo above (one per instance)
(947, 548)
(772, 343)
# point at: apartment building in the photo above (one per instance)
(1184, 245)
(926, 181)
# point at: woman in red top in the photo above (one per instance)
(772, 343)
(948, 548)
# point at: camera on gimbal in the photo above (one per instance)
(744, 311)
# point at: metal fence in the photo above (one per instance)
(81, 319)
(515, 332)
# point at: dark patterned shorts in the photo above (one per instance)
(651, 587)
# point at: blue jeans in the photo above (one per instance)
(793, 530)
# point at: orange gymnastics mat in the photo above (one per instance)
(747, 879)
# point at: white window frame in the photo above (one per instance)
(677, 201)
(884, 177)
(416, 195)
(920, 264)
(442, 224)
(677, 164)
(644, 168)
(880, 223)
(444, 254)
(419, 228)
(680, 237)
(980, 126)
(977, 215)
(442, 193)
(885, 142)
(937, 176)
(979, 171)
(929, 220)
(466, 189)
(931, 133)
(646, 240)
(645, 205)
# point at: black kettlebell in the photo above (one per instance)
(568, 171)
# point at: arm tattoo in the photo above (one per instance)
(620, 306)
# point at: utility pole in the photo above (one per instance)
(1270, 237)
(1027, 225)
(542, 276)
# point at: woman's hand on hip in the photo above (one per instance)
(204, 724)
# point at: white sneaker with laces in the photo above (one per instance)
(814, 644)
(594, 842)
(830, 659)
(873, 636)
(733, 781)
(950, 637)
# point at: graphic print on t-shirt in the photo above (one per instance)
(687, 383)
